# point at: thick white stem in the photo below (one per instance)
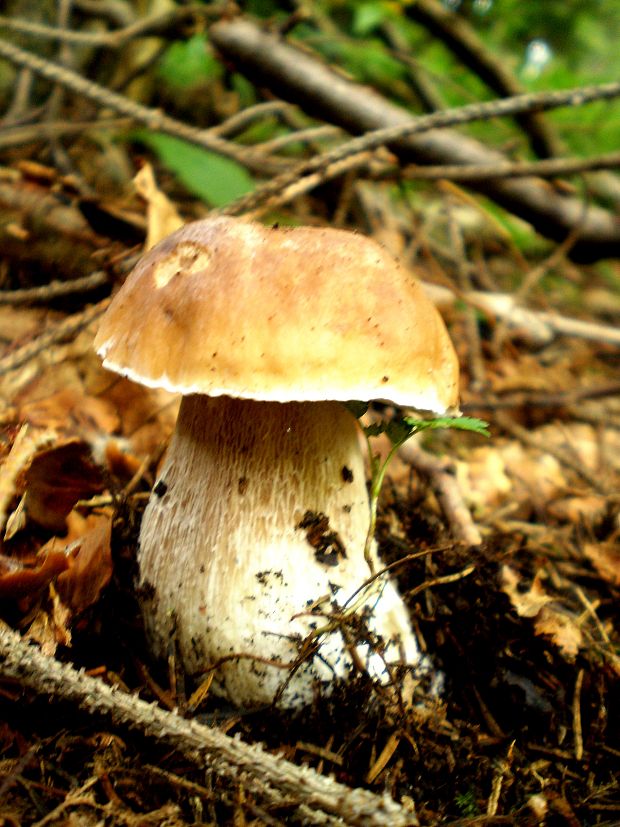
(236, 557)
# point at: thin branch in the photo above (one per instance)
(154, 119)
(154, 24)
(246, 117)
(538, 399)
(539, 325)
(48, 292)
(26, 133)
(548, 168)
(61, 332)
(269, 777)
(425, 123)
(442, 478)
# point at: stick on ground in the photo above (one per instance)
(270, 778)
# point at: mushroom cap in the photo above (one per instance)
(228, 307)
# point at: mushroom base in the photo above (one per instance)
(253, 540)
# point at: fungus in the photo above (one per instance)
(256, 527)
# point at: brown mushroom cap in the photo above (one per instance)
(226, 307)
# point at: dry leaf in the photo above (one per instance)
(26, 444)
(161, 214)
(561, 629)
(526, 603)
(90, 565)
(20, 579)
(605, 557)
(588, 509)
(57, 478)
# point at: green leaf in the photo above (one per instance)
(187, 62)
(366, 17)
(214, 179)
(459, 423)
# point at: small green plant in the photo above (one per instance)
(398, 431)
(467, 804)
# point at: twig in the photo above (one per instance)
(425, 123)
(539, 325)
(155, 119)
(548, 168)
(577, 732)
(269, 777)
(23, 134)
(60, 332)
(440, 473)
(475, 358)
(558, 399)
(440, 581)
(241, 120)
(48, 292)
(153, 24)
(305, 184)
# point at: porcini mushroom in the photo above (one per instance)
(256, 526)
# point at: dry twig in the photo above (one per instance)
(61, 332)
(48, 292)
(538, 325)
(440, 473)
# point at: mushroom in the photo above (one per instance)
(255, 530)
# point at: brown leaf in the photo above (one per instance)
(18, 580)
(71, 407)
(526, 603)
(561, 629)
(26, 444)
(90, 565)
(549, 621)
(162, 216)
(56, 480)
(605, 557)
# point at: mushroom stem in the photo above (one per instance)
(256, 531)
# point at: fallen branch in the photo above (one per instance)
(549, 168)
(538, 325)
(272, 779)
(54, 290)
(440, 474)
(296, 76)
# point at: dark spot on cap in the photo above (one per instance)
(242, 485)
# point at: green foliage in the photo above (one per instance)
(214, 179)
(187, 62)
